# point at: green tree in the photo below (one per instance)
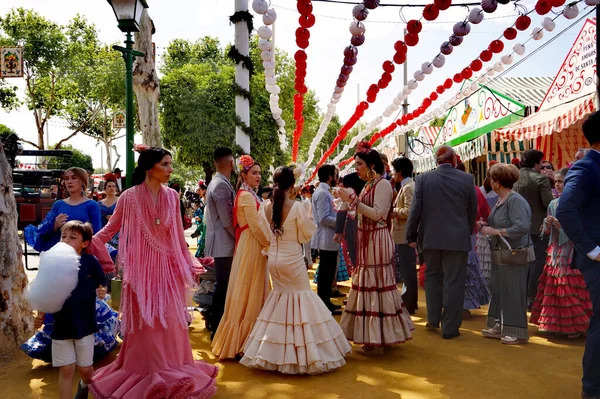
(79, 159)
(5, 131)
(8, 96)
(439, 122)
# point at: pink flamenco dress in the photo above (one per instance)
(562, 304)
(155, 360)
(375, 315)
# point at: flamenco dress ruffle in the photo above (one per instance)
(476, 291)
(295, 334)
(562, 304)
(484, 253)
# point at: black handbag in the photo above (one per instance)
(509, 256)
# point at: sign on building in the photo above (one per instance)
(119, 120)
(11, 62)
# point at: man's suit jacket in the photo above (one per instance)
(218, 216)
(402, 210)
(443, 211)
(535, 188)
(579, 208)
(324, 216)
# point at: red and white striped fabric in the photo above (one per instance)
(547, 122)
(431, 133)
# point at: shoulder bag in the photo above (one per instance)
(509, 256)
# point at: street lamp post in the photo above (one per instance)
(128, 14)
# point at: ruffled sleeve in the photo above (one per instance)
(247, 203)
(43, 237)
(306, 227)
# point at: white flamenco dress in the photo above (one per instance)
(295, 332)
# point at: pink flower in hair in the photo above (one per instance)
(363, 147)
(246, 162)
(140, 148)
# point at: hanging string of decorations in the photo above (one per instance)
(265, 44)
(306, 21)
(360, 12)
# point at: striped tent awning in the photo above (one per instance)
(548, 121)
(528, 91)
(430, 133)
(467, 151)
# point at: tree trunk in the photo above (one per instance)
(145, 83)
(16, 317)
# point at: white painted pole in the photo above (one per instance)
(242, 78)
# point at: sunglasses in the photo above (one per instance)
(546, 167)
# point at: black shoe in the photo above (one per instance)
(450, 336)
(336, 312)
(432, 326)
(338, 294)
(82, 393)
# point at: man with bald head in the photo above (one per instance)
(442, 218)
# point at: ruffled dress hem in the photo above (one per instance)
(231, 338)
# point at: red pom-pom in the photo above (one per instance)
(302, 43)
(476, 65)
(305, 8)
(467, 73)
(400, 47)
(486, 55)
(458, 78)
(414, 26)
(300, 55)
(388, 66)
(448, 83)
(386, 77)
(496, 46)
(411, 39)
(442, 4)
(430, 12)
(382, 84)
(399, 58)
(307, 21)
(373, 89)
(440, 89)
(363, 106)
(510, 33)
(302, 34)
(523, 22)
(433, 96)
(543, 7)
(427, 102)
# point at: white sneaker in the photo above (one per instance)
(508, 340)
(494, 332)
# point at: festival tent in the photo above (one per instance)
(556, 128)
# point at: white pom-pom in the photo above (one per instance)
(483, 79)
(571, 11)
(549, 24)
(274, 89)
(537, 33)
(269, 73)
(269, 64)
(260, 6)
(406, 90)
(357, 28)
(270, 81)
(412, 84)
(270, 16)
(56, 278)
(507, 59)
(397, 101)
(266, 55)
(387, 113)
(519, 49)
(419, 76)
(592, 3)
(439, 61)
(336, 96)
(476, 16)
(265, 44)
(498, 67)
(264, 32)
(461, 29)
(427, 68)
(338, 89)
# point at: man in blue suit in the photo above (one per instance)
(579, 215)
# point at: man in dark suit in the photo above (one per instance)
(535, 188)
(441, 220)
(579, 215)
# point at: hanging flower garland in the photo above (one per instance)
(306, 21)
(265, 44)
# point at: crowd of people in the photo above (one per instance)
(526, 240)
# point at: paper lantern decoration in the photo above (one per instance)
(519, 49)
(411, 39)
(457, 78)
(467, 73)
(413, 26)
(507, 59)
(386, 77)
(448, 83)
(357, 28)
(357, 40)
(336, 96)
(269, 17)
(426, 68)
(461, 28)
(476, 65)
(399, 58)
(274, 89)
(338, 89)
(510, 33)
(439, 61)
(483, 79)
(270, 64)
(350, 61)
(496, 46)
(446, 48)
(269, 73)
(433, 96)
(419, 76)
(260, 6)
(491, 72)
(388, 66)
(343, 78)
(489, 6)
(360, 12)
(412, 84)
(264, 44)
(543, 7)
(537, 33)
(400, 47)
(442, 4)
(430, 12)
(486, 55)
(346, 70)
(406, 91)
(271, 82)
(523, 22)
(266, 55)
(549, 24)
(264, 32)
(475, 16)
(307, 21)
(350, 52)
(371, 4)
(498, 67)
(455, 40)
(571, 11)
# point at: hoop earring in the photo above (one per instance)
(371, 174)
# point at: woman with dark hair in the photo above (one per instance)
(107, 208)
(248, 282)
(295, 332)
(156, 357)
(375, 315)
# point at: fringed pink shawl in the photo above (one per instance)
(156, 263)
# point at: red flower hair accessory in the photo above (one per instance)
(245, 163)
(364, 147)
(200, 182)
(139, 148)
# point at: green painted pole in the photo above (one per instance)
(129, 127)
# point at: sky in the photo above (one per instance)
(192, 19)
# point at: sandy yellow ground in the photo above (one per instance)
(469, 366)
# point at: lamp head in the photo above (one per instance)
(128, 13)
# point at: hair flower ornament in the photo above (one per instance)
(298, 169)
(363, 147)
(245, 163)
(139, 148)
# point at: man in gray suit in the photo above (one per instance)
(441, 220)
(324, 216)
(220, 233)
(535, 188)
